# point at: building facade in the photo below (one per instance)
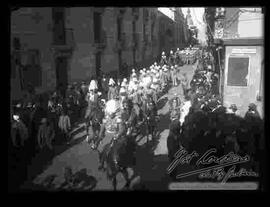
(239, 39)
(51, 47)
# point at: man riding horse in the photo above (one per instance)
(92, 99)
(118, 125)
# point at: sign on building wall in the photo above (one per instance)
(238, 71)
(243, 50)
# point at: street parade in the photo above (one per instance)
(127, 109)
(136, 98)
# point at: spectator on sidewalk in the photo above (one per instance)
(64, 125)
(45, 134)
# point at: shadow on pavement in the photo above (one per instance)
(43, 159)
(151, 169)
(79, 181)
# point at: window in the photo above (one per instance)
(238, 71)
(97, 27)
(59, 37)
(32, 70)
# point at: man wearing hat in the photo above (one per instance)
(171, 59)
(104, 85)
(112, 93)
(163, 60)
(233, 110)
(92, 99)
(252, 111)
(173, 76)
(45, 134)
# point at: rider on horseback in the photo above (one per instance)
(112, 124)
(92, 99)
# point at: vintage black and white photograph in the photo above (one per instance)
(136, 99)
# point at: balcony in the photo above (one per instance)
(65, 50)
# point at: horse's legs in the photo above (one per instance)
(114, 182)
(125, 174)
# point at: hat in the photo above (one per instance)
(19, 105)
(124, 84)
(93, 85)
(111, 82)
(122, 90)
(112, 106)
(252, 106)
(16, 117)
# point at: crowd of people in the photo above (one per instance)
(45, 118)
(122, 106)
(205, 123)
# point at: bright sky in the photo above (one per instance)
(197, 17)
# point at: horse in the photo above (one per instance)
(118, 155)
(95, 120)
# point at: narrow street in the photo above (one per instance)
(149, 167)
